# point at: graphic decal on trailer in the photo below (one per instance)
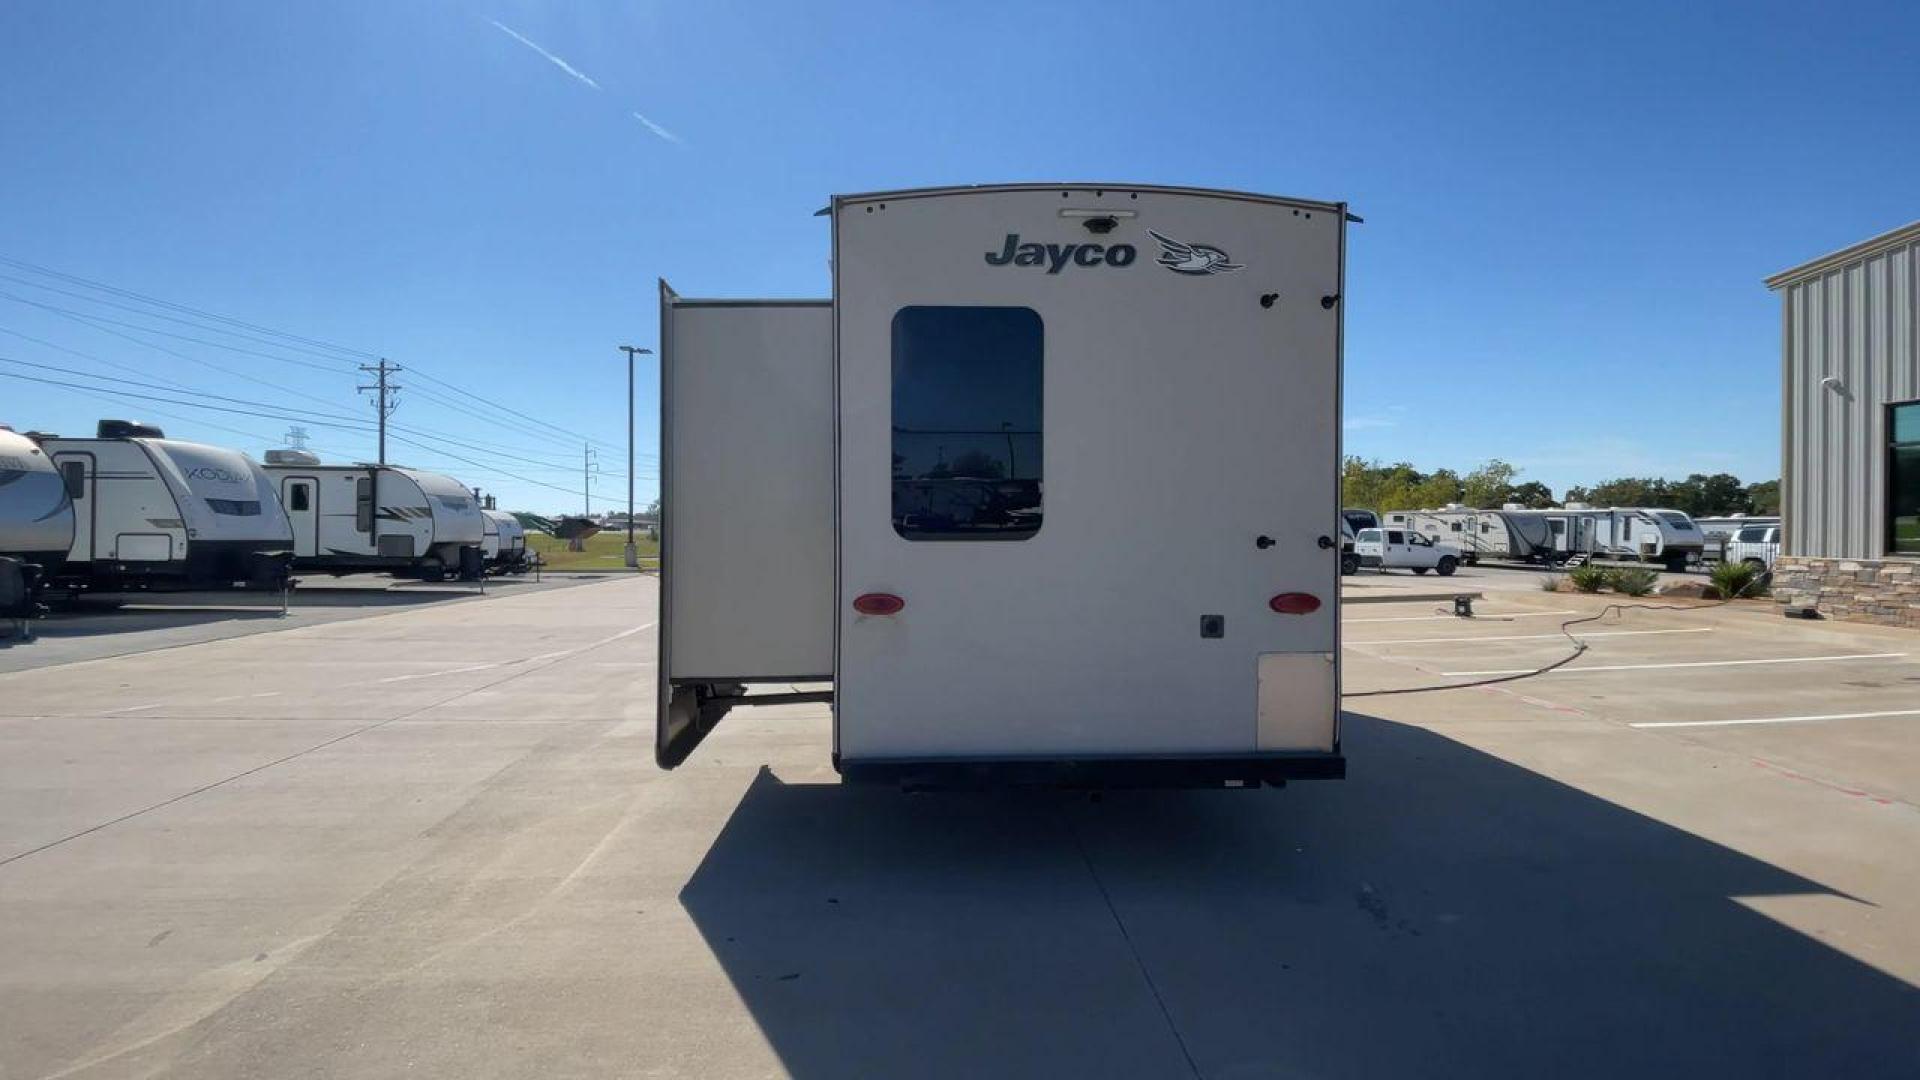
(1193, 258)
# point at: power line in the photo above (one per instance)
(457, 407)
(21, 264)
(187, 404)
(89, 321)
(172, 318)
(487, 470)
(184, 388)
(94, 320)
(555, 427)
(498, 470)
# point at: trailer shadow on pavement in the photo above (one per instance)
(1440, 912)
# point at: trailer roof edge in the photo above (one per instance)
(981, 189)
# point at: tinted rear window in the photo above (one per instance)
(967, 405)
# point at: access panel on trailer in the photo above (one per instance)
(746, 505)
(1088, 460)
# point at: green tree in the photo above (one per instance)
(1763, 497)
(1709, 496)
(1489, 485)
(1532, 494)
(1626, 491)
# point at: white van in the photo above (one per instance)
(1046, 491)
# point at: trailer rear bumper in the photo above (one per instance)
(945, 774)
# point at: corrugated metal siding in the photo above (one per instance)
(1858, 322)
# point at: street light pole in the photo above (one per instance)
(632, 552)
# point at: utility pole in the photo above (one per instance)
(385, 403)
(589, 462)
(633, 553)
(297, 437)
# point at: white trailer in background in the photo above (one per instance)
(36, 522)
(504, 543)
(930, 490)
(350, 519)
(155, 513)
(1632, 533)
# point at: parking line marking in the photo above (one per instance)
(448, 671)
(1689, 664)
(520, 660)
(1776, 719)
(1532, 637)
(1484, 615)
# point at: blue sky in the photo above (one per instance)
(1569, 209)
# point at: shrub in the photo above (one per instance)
(1733, 580)
(1587, 578)
(1633, 580)
(1550, 583)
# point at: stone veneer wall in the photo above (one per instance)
(1881, 591)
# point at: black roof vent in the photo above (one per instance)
(128, 429)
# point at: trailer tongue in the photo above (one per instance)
(1045, 492)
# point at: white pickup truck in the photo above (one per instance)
(1757, 544)
(1404, 549)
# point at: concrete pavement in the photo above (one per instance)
(434, 843)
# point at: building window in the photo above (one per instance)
(967, 449)
(1903, 479)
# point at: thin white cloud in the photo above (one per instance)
(657, 129)
(552, 59)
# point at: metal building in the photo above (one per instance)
(1850, 428)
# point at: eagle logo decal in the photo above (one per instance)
(1193, 258)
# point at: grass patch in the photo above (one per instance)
(605, 552)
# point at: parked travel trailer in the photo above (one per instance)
(504, 543)
(926, 491)
(154, 512)
(36, 521)
(350, 519)
(1515, 533)
(1477, 534)
(1644, 534)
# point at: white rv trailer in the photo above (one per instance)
(1477, 533)
(154, 512)
(36, 519)
(928, 490)
(36, 514)
(1515, 533)
(1497, 535)
(1638, 533)
(350, 519)
(504, 543)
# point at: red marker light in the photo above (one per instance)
(1295, 603)
(880, 603)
